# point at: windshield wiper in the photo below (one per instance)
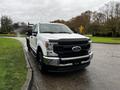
(63, 32)
(48, 32)
(56, 32)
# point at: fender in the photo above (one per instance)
(41, 44)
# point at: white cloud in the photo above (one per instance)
(46, 10)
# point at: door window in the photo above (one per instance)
(35, 29)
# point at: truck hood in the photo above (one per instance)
(61, 36)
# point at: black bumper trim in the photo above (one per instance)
(66, 68)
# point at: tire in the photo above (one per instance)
(40, 61)
(28, 44)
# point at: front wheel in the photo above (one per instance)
(40, 61)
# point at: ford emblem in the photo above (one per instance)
(76, 48)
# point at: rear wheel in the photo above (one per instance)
(40, 61)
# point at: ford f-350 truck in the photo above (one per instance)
(57, 48)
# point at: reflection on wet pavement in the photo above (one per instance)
(102, 74)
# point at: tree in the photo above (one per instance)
(20, 27)
(112, 14)
(98, 17)
(6, 24)
(75, 22)
(103, 22)
(16, 25)
(58, 21)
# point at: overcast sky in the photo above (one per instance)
(46, 10)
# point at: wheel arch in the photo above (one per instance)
(28, 42)
(39, 49)
(41, 46)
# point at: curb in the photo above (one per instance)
(28, 83)
(29, 78)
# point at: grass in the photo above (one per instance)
(12, 65)
(110, 40)
(8, 35)
(12, 35)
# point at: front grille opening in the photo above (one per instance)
(64, 48)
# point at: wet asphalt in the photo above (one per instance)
(102, 74)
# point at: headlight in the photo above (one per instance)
(49, 47)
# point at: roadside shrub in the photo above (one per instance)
(103, 34)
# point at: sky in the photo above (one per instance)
(35, 11)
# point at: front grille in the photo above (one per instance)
(64, 48)
(72, 42)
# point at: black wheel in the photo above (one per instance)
(40, 61)
(28, 44)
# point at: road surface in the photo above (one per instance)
(102, 74)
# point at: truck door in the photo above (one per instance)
(33, 38)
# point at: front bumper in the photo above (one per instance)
(66, 68)
(56, 61)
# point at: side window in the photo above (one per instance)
(35, 28)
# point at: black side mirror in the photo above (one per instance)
(34, 33)
(28, 33)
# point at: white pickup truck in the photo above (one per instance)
(59, 49)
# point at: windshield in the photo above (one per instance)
(54, 28)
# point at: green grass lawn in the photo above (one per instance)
(105, 39)
(12, 35)
(12, 64)
(8, 35)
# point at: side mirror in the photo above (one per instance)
(28, 33)
(34, 33)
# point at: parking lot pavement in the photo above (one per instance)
(102, 74)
